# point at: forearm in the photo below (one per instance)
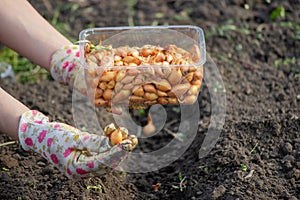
(28, 33)
(11, 111)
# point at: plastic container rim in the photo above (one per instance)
(83, 33)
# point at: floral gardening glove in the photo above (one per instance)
(77, 154)
(65, 66)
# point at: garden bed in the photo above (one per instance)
(257, 155)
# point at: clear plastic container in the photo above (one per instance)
(143, 65)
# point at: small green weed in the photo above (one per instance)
(131, 7)
(142, 112)
(286, 62)
(244, 168)
(97, 188)
(184, 15)
(225, 29)
(253, 149)
(294, 26)
(4, 169)
(30, 183)
(205, 169)
(176, 109)
(181, 184)
(279, 12)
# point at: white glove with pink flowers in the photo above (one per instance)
(75, 153)
(65, 66)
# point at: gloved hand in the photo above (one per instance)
(65, 65)
(75, 153)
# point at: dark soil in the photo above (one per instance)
(258, 153)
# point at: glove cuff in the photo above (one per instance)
(64, 64)
(26, 131)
